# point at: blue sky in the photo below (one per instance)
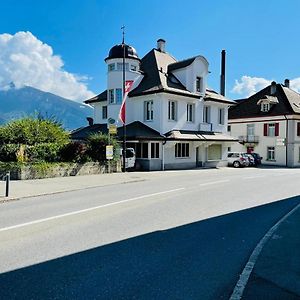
(260, 38)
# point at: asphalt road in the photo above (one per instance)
(176, 235)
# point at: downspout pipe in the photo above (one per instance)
(286, 140)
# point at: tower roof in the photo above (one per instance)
(117, 52)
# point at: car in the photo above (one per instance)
(237, 159)
(257, 159)
(251, 159)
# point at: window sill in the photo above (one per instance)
(188, 157)
(273, 160)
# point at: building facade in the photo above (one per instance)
(175, 121)
(268, 123)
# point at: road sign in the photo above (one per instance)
(280, 142)
(112, 129)
(109, 152)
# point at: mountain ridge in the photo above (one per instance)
(29, 101)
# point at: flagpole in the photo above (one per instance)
(124, 124)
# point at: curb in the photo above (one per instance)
(245, 275)
(12, 198)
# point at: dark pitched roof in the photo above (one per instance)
(84, 132)
(211, 95)
(288, 103)
(134, 131)
(138, 130)
(99, 98)
(181, 64)
(154, 66)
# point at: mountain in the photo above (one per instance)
(28, 101)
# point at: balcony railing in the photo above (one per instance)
(205, 127)
(248, 139)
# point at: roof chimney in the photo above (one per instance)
(287, 83)
(161, 45)
(273, 87)
(90, 121)
(222, 81)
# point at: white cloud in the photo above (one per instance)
(248, 86)
(25, 60)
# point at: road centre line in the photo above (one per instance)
(253, 177)
(87, 210)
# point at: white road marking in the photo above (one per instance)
(253, 177)
(88, 209)
(244, 277)
(214, 182)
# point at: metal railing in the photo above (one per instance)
(6, 178)
(248, 139)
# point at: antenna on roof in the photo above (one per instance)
(123, 34)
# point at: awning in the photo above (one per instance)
(199, 136)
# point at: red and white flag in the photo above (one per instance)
(128, 85)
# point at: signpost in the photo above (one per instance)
(109, 152)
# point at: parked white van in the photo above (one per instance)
(129, 159)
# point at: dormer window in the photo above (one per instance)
(265, 107)
(199, 85)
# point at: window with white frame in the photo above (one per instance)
(154, 150)
(199, 84)
(182, 150)
(111, 67)
(120, 66)
(190, 112)
(148, 110)
(271, 129)
(119, 96)
(104, 112)
(265, 107)
(221, 116)
(271, 153)
(111, 96)
(250, 129)
(142, 150)
(133, 68)
(172, 110)
(206, 114)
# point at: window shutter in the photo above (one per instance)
(298, 129)
(265, 129)
(276, 129)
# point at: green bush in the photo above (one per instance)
(32, 140)
(8, 152)
(74, 152)
(96, 147)
(30, 131)
(47, 152)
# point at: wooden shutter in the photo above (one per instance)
(298, 129)
(265, 129)
(276, 129)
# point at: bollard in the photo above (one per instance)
(7, 179)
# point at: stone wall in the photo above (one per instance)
(62, 170)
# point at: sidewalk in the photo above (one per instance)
(276, 274)
(30, 188)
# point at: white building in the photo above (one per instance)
(173, 119)
(268, 123)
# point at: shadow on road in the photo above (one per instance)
(201, 260)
